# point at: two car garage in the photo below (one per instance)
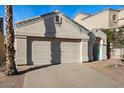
(55, 51)
(50, 39)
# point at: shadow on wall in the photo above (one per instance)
(29, 52)
(90, 46)
(96, 48)
(55, 43)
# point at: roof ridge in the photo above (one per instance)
(99, 12)
(121, 8)
(76, 22)
(35, 17)
(84, 13)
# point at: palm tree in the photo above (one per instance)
(10, 67)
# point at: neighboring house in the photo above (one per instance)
(50, 38)
(107, 18)
(2, 52)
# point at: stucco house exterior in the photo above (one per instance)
(2, 52)
(50, 38)
(107, 18)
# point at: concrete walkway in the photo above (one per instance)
(67, 76)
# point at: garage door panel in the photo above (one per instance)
(70, 52)
(41, 52)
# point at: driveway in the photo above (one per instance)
(67, 76)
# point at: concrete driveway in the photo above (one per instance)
(67, 76)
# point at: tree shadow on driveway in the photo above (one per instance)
(34, 68)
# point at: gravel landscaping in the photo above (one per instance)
(12, 81)
(112, 68)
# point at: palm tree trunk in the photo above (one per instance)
(10, 51)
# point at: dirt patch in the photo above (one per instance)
(12, 81)
(112, 68)
(16, 81)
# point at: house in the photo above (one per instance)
(2, 52)
(104, 19)
(51, 38)
(107, 18)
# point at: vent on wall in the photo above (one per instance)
(114, 18)
(58, 20)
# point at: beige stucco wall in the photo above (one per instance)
(100, 20)
(80, 16)
(121, 18)
(84, 50)
(113, 23)
(21, 49)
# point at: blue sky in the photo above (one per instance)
(21, 12)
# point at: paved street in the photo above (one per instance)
(67, 76)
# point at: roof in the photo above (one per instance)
(47, 14)
(100, 12)
(36, 17)
(82, 13)
(77, 23)
(121, 9)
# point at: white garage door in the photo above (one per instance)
(70, 51)
(41, 52)
(47, 51)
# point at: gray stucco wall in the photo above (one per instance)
(21, 49)
(85, 57)
(47, 24)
